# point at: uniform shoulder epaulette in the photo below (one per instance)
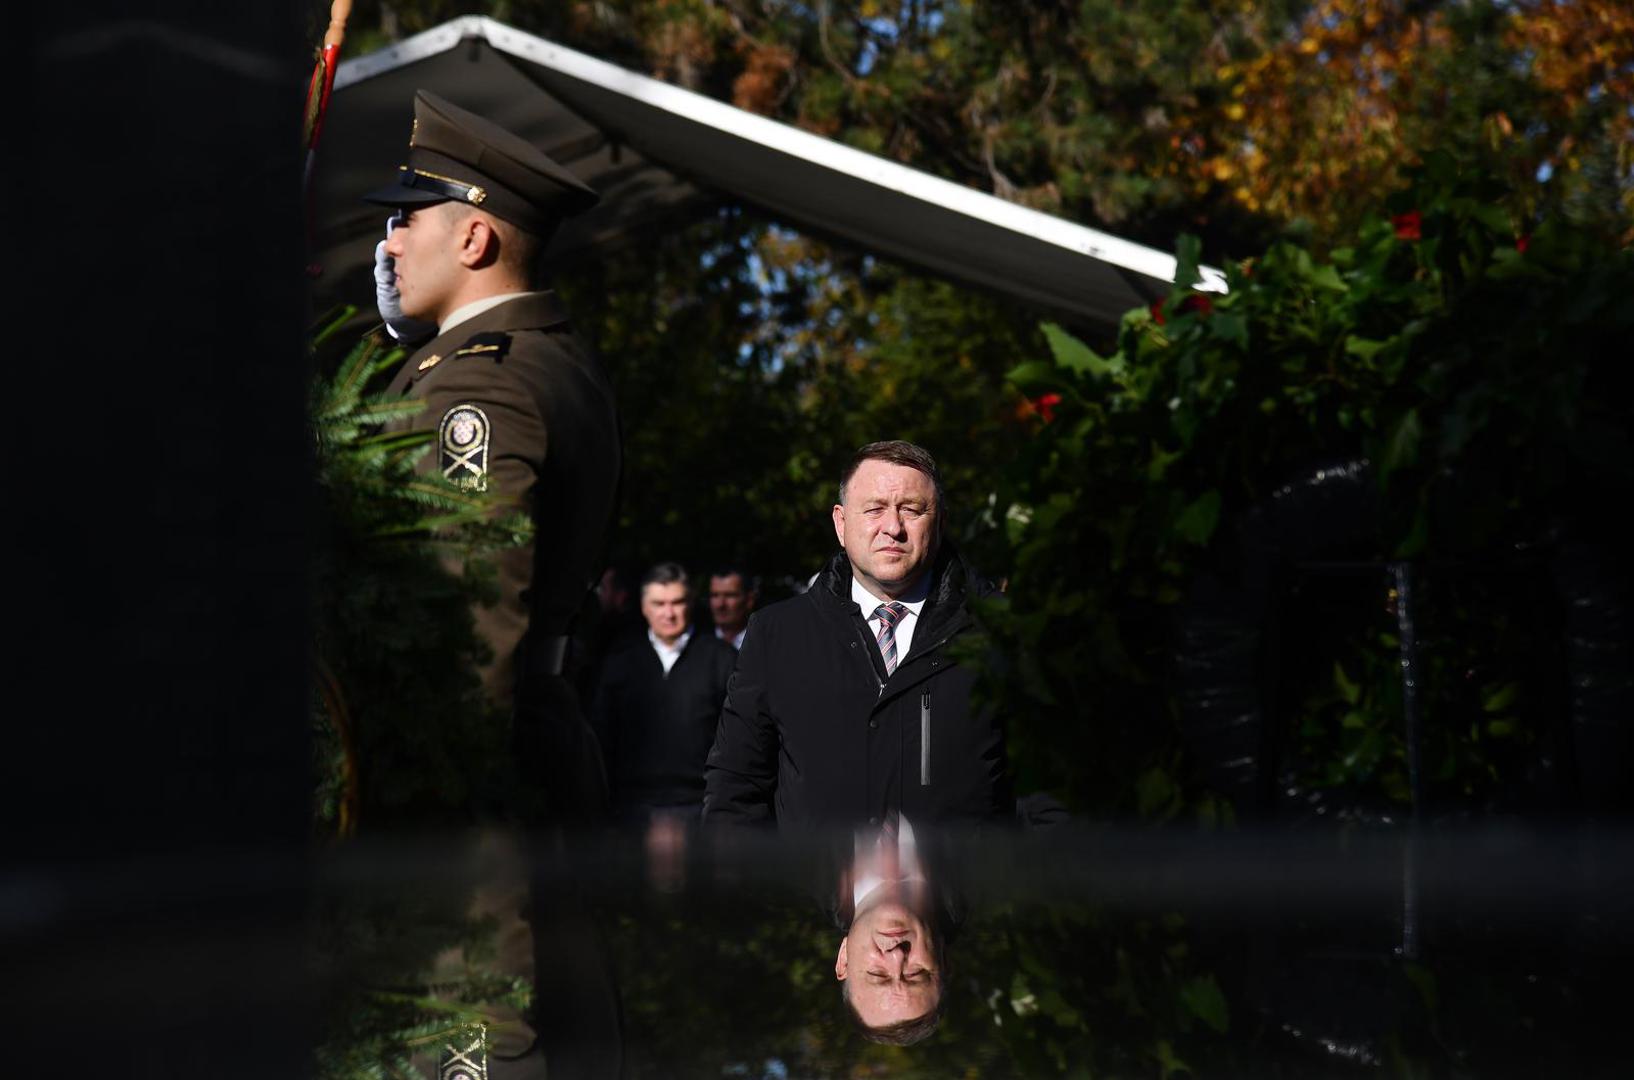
(492, 346)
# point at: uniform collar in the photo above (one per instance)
(476, 307)
(516, 311)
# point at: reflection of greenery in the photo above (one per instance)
(375, 947)
(741, 984)
(728, 987)
(403, 734)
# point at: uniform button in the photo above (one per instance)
(873, 723)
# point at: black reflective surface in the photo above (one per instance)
(1074, 950)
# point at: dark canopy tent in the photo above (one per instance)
(657, 152)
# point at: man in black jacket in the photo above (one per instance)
(846, 705)
(656, 703)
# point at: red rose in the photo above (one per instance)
(1157, 312)
(1522, 242)
(1199, 303)
(1045, 404)
(1409, 226)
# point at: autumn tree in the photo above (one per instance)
(1316, 126)
(1230, 119)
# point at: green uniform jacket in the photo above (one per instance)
(522, 410)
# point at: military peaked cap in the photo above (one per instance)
(457, 155)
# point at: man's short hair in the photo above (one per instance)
(897, 452)
(665, 573)
(522, 250)
(903, 1032)
(750, 582)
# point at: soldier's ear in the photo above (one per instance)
(479, 243)
(840, 962)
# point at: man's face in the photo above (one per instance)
(614, 594)
(665, 609)
(729, 602)
(889, 526)
(424, 246)
(889, 966)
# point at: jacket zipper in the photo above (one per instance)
(924, 738)
(879, 684)
(924, 707)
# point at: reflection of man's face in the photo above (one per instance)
(665, 609)
(729, 602)
(889, 964)
(888, 526)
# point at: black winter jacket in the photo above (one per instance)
(655, 729)
(813, 733)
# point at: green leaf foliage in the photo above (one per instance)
(1203, 999)
(402, 558)
(404, 737)
(1484, 388)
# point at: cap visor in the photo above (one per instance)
(403, 195)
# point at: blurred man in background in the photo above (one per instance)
(732, 595)
(657, 701)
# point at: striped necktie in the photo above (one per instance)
(889, 615)
(890, 854)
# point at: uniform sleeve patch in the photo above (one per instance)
(463, 440)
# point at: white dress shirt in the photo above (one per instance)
(668, 654)
(736, 640)
(868, 879)
(914, 601)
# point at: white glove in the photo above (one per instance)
(398, 325)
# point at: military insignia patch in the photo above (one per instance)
(466, 1058)
(463, 439)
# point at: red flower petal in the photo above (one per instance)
(1409, 226)
(1157, 312)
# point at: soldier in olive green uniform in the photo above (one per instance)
(519, 407)
(521, 410)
